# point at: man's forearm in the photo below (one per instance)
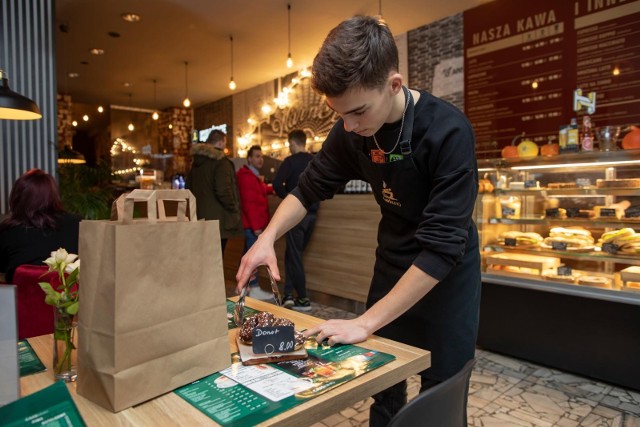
(411, 287)
(289, 213)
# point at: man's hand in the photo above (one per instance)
(261, 253)
(340, 331)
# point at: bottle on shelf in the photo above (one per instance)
(586, 140)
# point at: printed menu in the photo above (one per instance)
(260, 392)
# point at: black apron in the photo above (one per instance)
(445, 321)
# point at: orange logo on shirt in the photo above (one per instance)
(387, 196)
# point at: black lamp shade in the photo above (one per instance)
(14, 106)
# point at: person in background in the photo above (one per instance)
(37, 224)
(255, 210)
(212, 180)
(418, 154)
(285, 181)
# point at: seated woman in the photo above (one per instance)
(37, 223)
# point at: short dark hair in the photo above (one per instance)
(216, 136)
(298, 137)
(252, 149)
(34, 201)
(360, 52)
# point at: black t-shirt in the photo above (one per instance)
(27, 245)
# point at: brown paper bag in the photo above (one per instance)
(152, 303)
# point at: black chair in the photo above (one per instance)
(443, 405)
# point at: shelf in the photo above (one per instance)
(584, 159)
(578, 192)
(583, 256)
(584, 222)
(614, 295)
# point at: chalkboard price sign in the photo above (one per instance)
(273, 339)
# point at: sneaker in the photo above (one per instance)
(287, 301)
(302, 304)
(257, 293)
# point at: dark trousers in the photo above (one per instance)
(297, 239)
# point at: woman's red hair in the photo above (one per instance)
(34, 201)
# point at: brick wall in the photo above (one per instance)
(65, 118)
(428, 46)
(177, 139)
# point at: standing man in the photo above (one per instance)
(418, 154)
(255, 210)
(212, 180)
(297, 238)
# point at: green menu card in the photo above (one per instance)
(51, 407)
(28, 359)
(242, 396)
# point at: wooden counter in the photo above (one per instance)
(339, 258)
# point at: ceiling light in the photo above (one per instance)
(100, 109)
(14, 106)
(232, 84)
(289, 59)
(186, 102)
(155, 114)
(131, 127)
(69, 156)
(73, 75)
(131, 17)
(127, 84)
(96, 51)
(74, 123)
(85, 118)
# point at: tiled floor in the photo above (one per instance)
(507, 392)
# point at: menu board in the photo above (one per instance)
(524, 60)
(608, 58)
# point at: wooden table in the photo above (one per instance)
(170, 409)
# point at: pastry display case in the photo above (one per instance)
(568, 223)
(560, 245)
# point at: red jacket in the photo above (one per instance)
(253, 198)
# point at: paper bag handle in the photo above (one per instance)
(155, 204)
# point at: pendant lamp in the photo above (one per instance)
(69, 156)
(155, 114)
(14, 106)
(187, 101)
(289, 59)
(232, 84)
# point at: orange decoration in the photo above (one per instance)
(631, 141)
(550, 149)
(510, 151)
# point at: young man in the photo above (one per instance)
(418, 154)
(255, 209)
(297, 238)
(212, 180)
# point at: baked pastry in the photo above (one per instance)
(521, 238)
(595, 281)
(560, 278)
(618, 183)
(574, 237)
(266, 319)
(562, 185)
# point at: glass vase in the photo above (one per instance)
(64, 349)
